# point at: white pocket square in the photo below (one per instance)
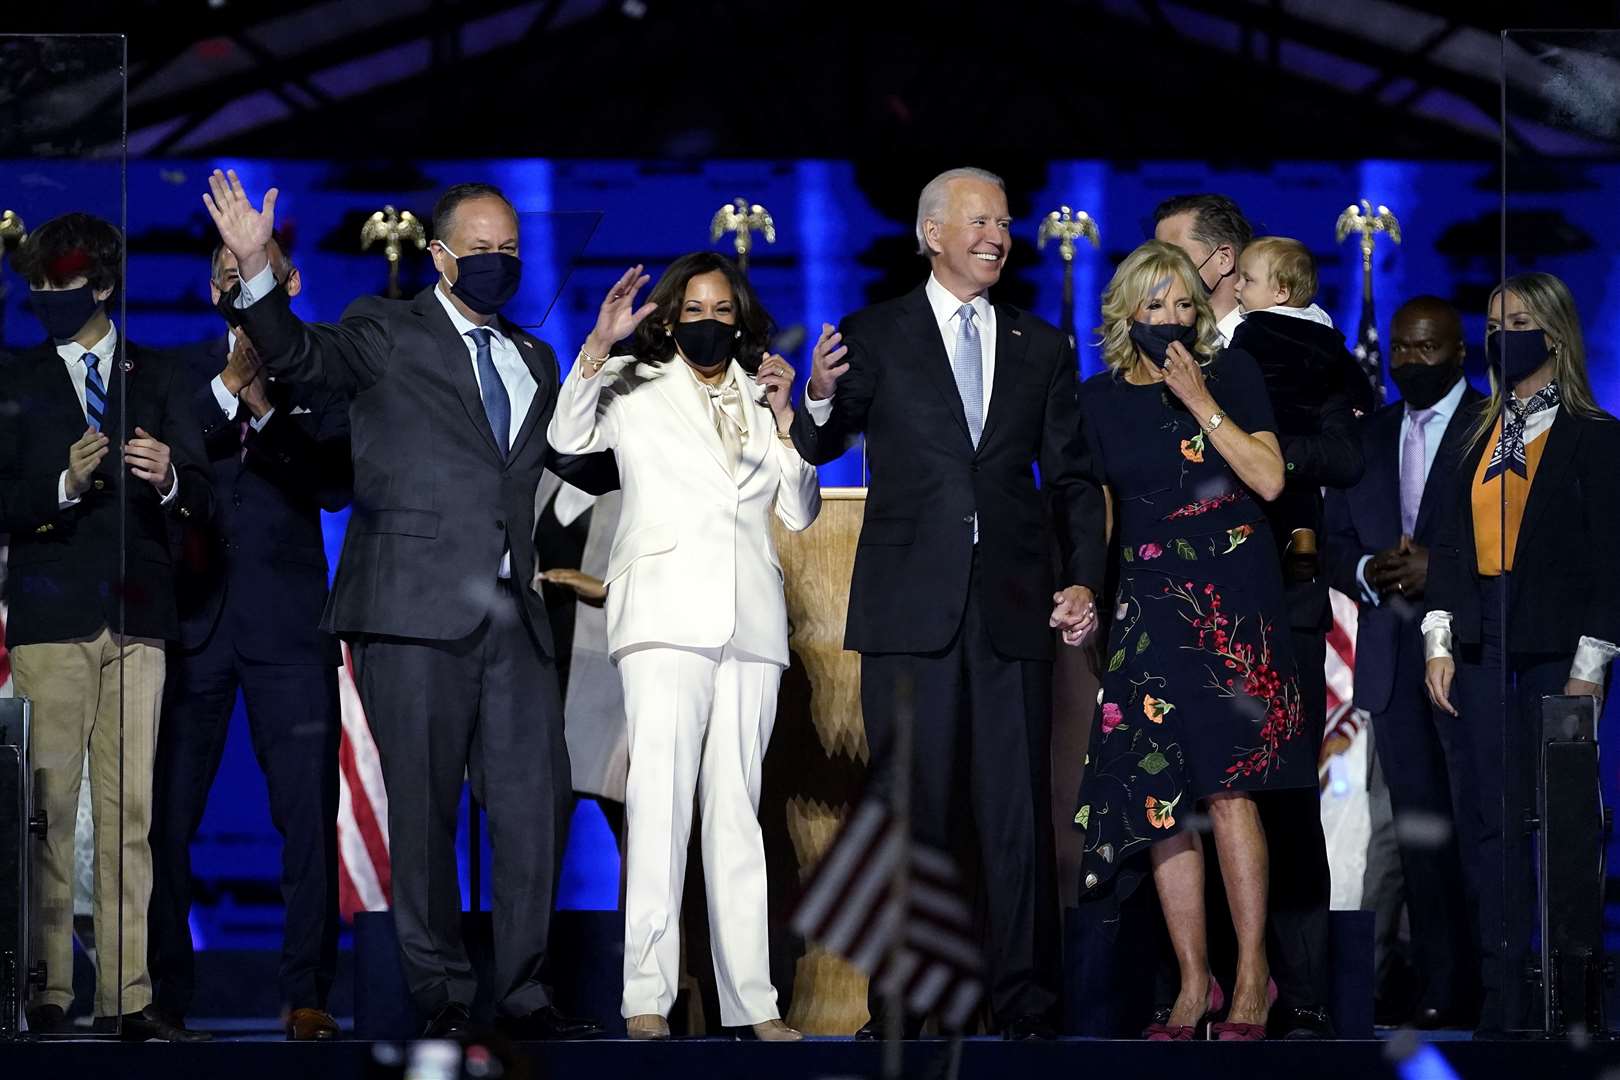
(296, 409)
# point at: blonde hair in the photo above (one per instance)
(1290, 264)
(1549, 302)
(1139, 276)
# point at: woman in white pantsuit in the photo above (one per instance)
(698, 415)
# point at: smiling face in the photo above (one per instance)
(480, 225)
(708, 296)
(1168, 302)
(968, 243)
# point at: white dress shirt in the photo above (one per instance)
(509, 365)
(1434, 429)
(1227, 325)
(72, 354)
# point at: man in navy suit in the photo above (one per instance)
(1378, 534)
(252, 586)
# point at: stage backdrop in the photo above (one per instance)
(844, 239)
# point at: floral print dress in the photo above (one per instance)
(1199, 694)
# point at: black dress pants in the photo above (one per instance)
(485, 706)
(981, 761)
(293, 715)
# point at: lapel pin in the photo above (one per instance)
(1017, 333)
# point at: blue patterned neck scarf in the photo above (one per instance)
(1509, 453)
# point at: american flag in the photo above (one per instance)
(922, 945)
(1340, 667)
(364, 878)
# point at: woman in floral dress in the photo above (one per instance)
(1199, 706)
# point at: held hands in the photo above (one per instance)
(1186, 380)
(244, 230)
(827, 363)
(242, 367)
(776, 377)
(83, 457)
(1074, 612)
(1403, 570)
(618, 316)
(1437, 676)
(148, 458)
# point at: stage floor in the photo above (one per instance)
(259, 1057)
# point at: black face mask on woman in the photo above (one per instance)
(1421, 385)
(64, 311)
(1154, 339)
(706, 343)
(487, 280)
(1514, 354)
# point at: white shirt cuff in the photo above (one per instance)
(1367, 592)
(1592, 658)
(258, 422)
(819, 408)
(174, 487)
(256, 288)
(1436, 629)
(62, 501)
(227, 401)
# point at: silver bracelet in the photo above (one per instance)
(1214, 422)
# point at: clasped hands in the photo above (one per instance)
(147, 458)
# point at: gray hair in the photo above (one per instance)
(931, 203)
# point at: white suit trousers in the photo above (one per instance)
(699, 721)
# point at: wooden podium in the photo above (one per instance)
(816, 765)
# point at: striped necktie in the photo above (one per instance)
(95, 393)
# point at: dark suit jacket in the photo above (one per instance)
(261, 563)
(1366, 519)
(1315, 387)
(63, 577)
(927, 481)
(436, 502)
(1566, 579)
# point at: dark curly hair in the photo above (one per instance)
(69, 246)
(652, 341)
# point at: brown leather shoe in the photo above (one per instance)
(311, 1025)
(775, 1031)
(647, 1027)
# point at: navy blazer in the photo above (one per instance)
(909, 586)
(1565, 581)
(436, 500)
(65, 578)
(1366, 519)
(261, 563)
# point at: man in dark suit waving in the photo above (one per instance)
(961, 402)
(1377, 550)
(453, 655)
(252, 584)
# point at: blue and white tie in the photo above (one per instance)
(968, 367)
(497, 405)
(95, 393)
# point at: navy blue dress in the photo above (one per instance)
(1199, 694)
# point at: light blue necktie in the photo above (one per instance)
(95, 393)
(968, 367)
(497, 405)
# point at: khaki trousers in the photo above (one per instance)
(75, 688)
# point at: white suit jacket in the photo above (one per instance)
(693, 564)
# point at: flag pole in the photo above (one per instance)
(900, 881)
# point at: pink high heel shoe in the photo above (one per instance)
(1165, 1032)
(1226, 1031)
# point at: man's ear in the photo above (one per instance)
(931, 236)
(294, 283)
(103, 295)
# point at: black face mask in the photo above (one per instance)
(706, 343)
(1209, 290)
(65, 311)
(1513, 354)
(1421, 385)
(1154, 340)
(486, 281)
